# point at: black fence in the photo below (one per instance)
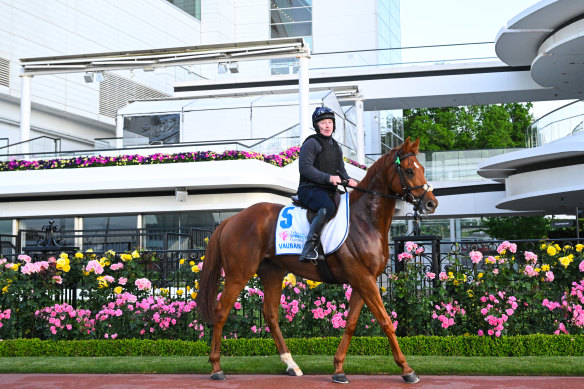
(162, 251)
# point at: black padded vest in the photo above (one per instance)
(329, 158)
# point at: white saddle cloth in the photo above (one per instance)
(292, 229)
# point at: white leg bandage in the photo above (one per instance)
(290, 364)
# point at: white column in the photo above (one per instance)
(360, 135)
(119, 131)
(25, 103)
(78, 226)
(303, 91)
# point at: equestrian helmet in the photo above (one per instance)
(321, 113)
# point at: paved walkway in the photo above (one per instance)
(237, 381)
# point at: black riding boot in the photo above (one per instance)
(310, 251)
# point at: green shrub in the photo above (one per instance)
(506, 346)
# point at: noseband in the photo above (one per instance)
(416, 201)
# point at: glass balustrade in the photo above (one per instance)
(557, 124)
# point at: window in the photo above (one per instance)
(151, 129)
(290, 18)
(192, 7)
(118, 233)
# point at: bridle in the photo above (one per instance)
(416, 201)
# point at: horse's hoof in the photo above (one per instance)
(294, 372)
(340, 378)
(411, 378)
(219, 376)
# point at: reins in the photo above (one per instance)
(406, 188)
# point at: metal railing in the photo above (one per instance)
(37, 148)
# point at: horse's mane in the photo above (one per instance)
(381, 164)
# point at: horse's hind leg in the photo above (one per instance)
(355, 306)
(229, 295)
(271, 277)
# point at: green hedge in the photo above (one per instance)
(512, 346)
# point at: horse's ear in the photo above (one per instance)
(416, 145)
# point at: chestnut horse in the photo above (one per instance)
(244, 244)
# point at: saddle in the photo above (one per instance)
(320, 263)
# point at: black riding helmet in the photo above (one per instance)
(321, 113)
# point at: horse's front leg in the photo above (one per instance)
(271, 277)
(370, 293)
(355, 306)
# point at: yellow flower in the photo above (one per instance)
(312, 284)
(192, 263)
(110, 252)
(182, 261)
(188, 288)
(118, 290)
(565, 261)
(5, 289)
(79, 255)
(567, 247)
(197, 285)
(551, 250)
(195, 269)
(290, 278)
(543, 246)
(163, 291)
(62, 264)
(102, 282)
(126, 257)
(64, 256)
(545, 267)
(206, 240)
(179, 292)
(194, 295)
(455, 282)
(481, 275)
(469, 292)
(579, 247)
(383, 289)
(450, 275)
(135, 254)
(203, 258)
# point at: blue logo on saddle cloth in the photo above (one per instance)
(292, 229)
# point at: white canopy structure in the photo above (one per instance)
(242, 118)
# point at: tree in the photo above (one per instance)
(517, 227)
(471, 127)
(433, 134)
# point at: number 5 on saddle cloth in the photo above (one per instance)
(293, 226)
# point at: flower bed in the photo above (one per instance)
(282, 159)
(511, 293)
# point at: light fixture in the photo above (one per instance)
(181, 194)
(99, 76)
(88, 76)
(131, 73)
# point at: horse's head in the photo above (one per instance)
(409, 182)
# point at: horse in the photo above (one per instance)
(244, 245)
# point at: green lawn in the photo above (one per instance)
(310, 364)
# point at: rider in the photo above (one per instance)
(321, 158)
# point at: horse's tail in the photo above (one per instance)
(210, 273)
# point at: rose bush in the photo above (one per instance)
(508, 293)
